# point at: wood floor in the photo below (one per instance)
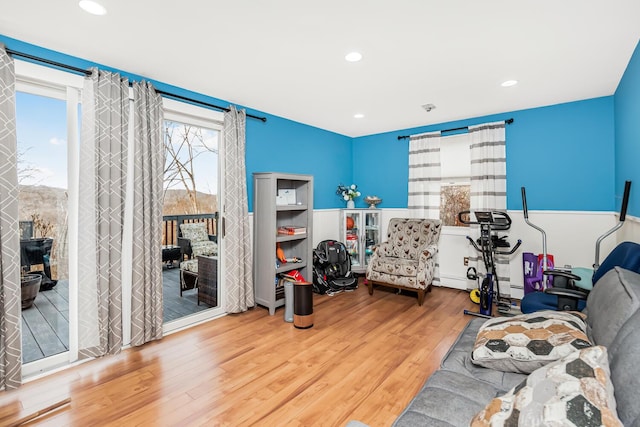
(364, 359)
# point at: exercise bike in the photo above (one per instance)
(489, 244)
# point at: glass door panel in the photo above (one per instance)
(41, 127)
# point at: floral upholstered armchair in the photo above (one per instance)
(406, 260)
(194, 240)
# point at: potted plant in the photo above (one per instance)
(29, 286)
(348, 194)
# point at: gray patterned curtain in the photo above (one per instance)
(146, 287)
(425, 179)
(103, 165)
(10, 305)
(237, 248)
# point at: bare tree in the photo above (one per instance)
(183, 144)
(26, 171)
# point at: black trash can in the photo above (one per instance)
(302, 305)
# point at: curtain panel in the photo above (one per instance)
(489, 187)
(149, 158)
(10, 294)
(237, 253)
(425, 181)
(424, 175)
(103, 166)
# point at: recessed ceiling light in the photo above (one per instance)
(353, 56)
(358, 116)
(92, 7)
(509, 83)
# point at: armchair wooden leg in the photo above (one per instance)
(370, 286)
(420, 296)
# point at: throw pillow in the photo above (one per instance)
(575, 390)
(527, 342)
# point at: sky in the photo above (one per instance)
(42, 136)
(41, 127)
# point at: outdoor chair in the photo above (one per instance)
(194, 240)
(406, 260)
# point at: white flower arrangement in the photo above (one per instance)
(348, 193)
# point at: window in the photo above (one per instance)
(455, 189)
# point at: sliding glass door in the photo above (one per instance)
(47, 108)
(192, 200)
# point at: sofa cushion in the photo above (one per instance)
(618, 288)
(446, 400)
(575, 390)
(458, 360)
(624, 361)
(527, 342)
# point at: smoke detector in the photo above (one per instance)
(429, 107)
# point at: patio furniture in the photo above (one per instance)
(201, 273)
(188, 275)
(35, 252)
(171, 253)
(208, 280)
(194, 240)
(29, 287)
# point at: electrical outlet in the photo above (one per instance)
(466, 261)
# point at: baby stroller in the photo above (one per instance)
(332, 268)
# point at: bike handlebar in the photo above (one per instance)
(524, 202)
(497, 219)
(625, 200)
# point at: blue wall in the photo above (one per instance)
(627, 127)
(279, 145)
(563, 154)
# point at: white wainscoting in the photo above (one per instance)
(571, 238)
(630, 231)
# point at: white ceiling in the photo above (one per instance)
(286, 57)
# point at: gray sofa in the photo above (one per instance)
(458, 390)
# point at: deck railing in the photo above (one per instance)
(170, 224)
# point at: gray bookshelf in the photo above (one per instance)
(279, 200)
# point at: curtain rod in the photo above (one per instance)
(508, 121)
(84, 72)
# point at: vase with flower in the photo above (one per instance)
(348, 194)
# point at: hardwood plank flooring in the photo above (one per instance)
(365, 358)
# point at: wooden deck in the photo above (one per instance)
(45, 325)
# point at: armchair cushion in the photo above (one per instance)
(196, 232)
(195, 240)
